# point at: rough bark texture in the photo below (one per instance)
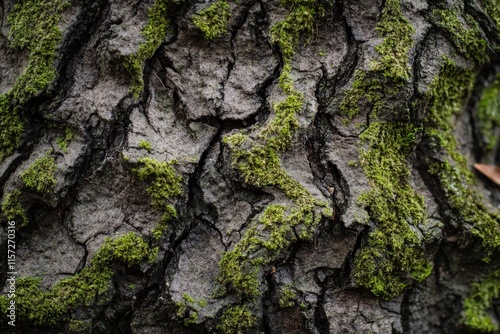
(318, 155)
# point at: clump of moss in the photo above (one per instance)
(466, 37)
(492, 8)
(50, 307)
(145, 145)
(397, 33)
(40, 176)
(488, 113)
(393, 64)
(62, 142)
(165, 184)
(11, 127)
(366, 87)
(154, 32)
(287, 296)
(213, 20)
(445, 100)
(13, 210)
(187, 309)
(260, 167)
(480, 299)
(129, 249)
(300, 20)
(393, 255)
(236, 320)
(34, 27)
(274, 232)
(80, 326)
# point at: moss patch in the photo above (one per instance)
(397, 33)
(213, 20)
(258, 162)
(368, 86)
(480, 299)
(445, 100)
(80, 326)
(393, 256)
(236, 320)
(145, 145)
(287, 296)
(40, 175)
(367, 89)
(153, 32)
(165, 183)
(34, 27)
(187, 309)
(466, 35)
(13, 210)
(63, 142)
(492, 8)
(286, 33)
(83, 289)
(11, 127)
(488, 113)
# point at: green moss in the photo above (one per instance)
(188, 308)
(274, 229)
(300, 20)
(368, 89)
(466, 35)
(397, 33)
(261, 244)
(258, 162)
(480, 300)
(278, 133)
(287, 32)
(164, 184)
(50, 307)
(492, 8)
(13, 210)
(445, 100)
(34, 27)
(62, 142)
(11, 127)
(129, 249)
(80, 326)
(154, 33)
(393, 256)
(352, 163)
(287, 296)
(213, 20)
(236, 320)
(40, 176)
(145, 145)
(488, 113)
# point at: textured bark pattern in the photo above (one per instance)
(199, 91)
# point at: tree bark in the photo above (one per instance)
(249, 166)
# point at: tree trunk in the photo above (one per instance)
(249, 166)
